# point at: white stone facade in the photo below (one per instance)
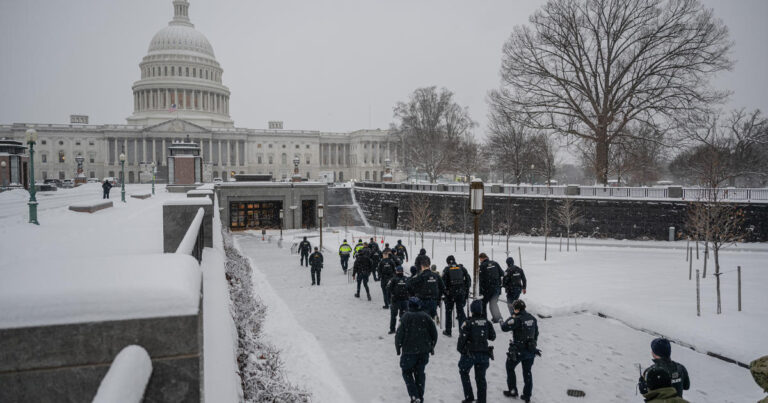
(181, 94)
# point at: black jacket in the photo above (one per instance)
(514, 277)
(386, 268)
(416, 333)
(474, 335)
(362, 265)
(427, 285)
(525, 331)
(398, 288)
(316, 260)
(106, 185)
(676, 371)
(401, 251)
(451, 280)
(490, 277)
(305, 247)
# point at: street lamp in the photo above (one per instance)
(532, 168)
(3, 164)
(154, 170)
(31, 137)
(281, 224)
(320, 216)
(122, 179)
(476, 192)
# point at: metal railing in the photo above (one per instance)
(192, 244)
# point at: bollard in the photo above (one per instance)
(738, 272)
(690, 265)
(698, 295)
(671, 234)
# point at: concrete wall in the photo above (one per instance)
(614, 218)
(65, 363)
(290, 194)
(178, 215)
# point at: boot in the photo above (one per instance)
(357, 295)
(510, 393)
(467, 400)
(369, 297)
(391, 332)
(447, 333)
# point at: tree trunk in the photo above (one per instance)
(601, 156)
(716, 251)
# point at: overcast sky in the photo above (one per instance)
(329, 65)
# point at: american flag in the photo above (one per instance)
(172, 108)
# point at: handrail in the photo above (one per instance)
(192, 244)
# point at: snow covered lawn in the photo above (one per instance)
(647, 288)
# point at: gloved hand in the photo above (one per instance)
(538, 352)
(523, 290)
(432, 352)
(642, 386)
(398, 350)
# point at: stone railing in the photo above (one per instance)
(192, 243)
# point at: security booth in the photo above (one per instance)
(13, 164)
(185, 163)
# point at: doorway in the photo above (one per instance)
(254, 214)
(308, 214)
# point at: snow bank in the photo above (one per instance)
(47, 292)
(127, 377)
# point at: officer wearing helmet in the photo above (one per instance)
(522, 349)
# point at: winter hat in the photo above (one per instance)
(476, 306)
(399, 269)
(510, 261)
(518, 305)
(423, 251)
(345, 241)
(414, 303)
(305, 238)
(399, 241)
(657, 378)
(661, 347)
(450, 259)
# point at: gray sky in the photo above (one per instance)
(330, 65)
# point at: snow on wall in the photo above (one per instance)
(127, 377)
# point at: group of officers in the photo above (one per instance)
(415, 300)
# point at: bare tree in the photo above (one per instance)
(446, 219)
(589, 68)
(510, 143)
(568, 215)
(422, 219)
(544, 157)
(509, 222)
(468, 157)
(432, 126)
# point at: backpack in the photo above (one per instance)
(478, 335)
(431, 287)
(456, 276)
(387, 270)
(400, 288)
(529, 330)
(493, 274)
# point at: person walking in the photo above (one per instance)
(428, 287)
(397, 288)
(415, 340)
(514, 283)
(418, 262)
(344, 251)
(316, 263)
(457, 284)
(358, 247)
(401, 251)
(475, 352)
(304, 248)
(659, 387)
(661, 350)
(386, 269)
(490, 286)
(522, 349)
(106, 186)
(375, 257)
(361, 269)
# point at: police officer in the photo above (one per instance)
(419, 258)
(522, 349)
(375, 257)
(344, 251)
(397, 288)
(316, 262)
(304, 248)
(661, 350)
(428, 287)
(386, 269)
(659, 387)
(475, 351)
(514, 282)
(457, 284)
(361, 270)
(401, 251)
(490, 286)
(358, 247)
(415, 340)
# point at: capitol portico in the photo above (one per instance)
(180, 93)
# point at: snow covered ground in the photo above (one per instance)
(644, 287)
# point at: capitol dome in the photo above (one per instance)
(180, 77)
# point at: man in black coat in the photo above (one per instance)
(316, 262)
(401, 251)
(418, 262)
(522, 349)
(457, 284)
(386, 270)
(106, 186)
(361, 270)
(415, 340)
(514, 283)
(375, 257)
(428, 287)
(304, 248)
(490, 286)
(397, 288)
(661, 350)
(475, 352)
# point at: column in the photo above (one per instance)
(210, 150)
(229, 153)
(237, 152)
(219, 156)
(154, 154)
(117, 153)
(165, 160)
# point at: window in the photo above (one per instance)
(77, 142)
(45, 175)
(271, 160)
(61, 175)
(284, 159)
(91, 174)
(44, 158)
(43, 142)
(270, 146)
(173, 70)
(258, 145)
(61, 158)
(258, 159)
(91, 159)
(194, 72)
(307, 159)
(307, 146)
(297, 146)
(283, 145)
(187, 71)
(61, 142)
(166, 70)
(90, 142)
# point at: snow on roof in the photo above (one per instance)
(194, 201)
(50, 292)
(200, 192)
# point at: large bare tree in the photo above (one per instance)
(588, 68)
(432, 126)
(510, 143)
(469, 159)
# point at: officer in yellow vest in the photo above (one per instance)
(344, 251)
(359, 246)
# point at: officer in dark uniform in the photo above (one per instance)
(522, 349)
(304, 248)
(457, 284)
(418, 262)
(428, 287)
(401, 251)
(375, 257)
(475, 351)
(514, 283)
(361, 270)
(316, 263)
(415, 340)
(386, 269)
(397, 288)
(490, 286)
(661, 350)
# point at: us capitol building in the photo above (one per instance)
(181, 93)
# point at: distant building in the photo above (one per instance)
(180, 93)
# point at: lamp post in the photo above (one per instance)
(3, 182)
(281, 224)
(476, 192)
(532, 168)
(31, 137)
(154, 170)
(122, 179)
(320, 216)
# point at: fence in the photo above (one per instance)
(192, 244)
